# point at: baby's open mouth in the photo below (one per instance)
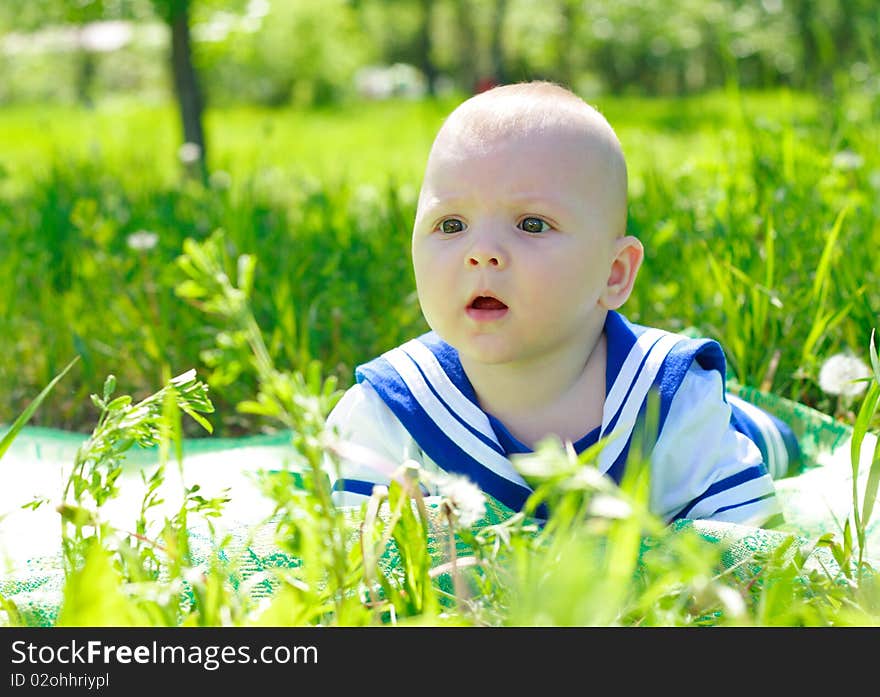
(486, 308)
(483, 302)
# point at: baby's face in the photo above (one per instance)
(513, 242)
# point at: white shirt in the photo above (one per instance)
(698, 453)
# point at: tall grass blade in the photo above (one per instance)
(872, 486)
(874, 473)
(822, 324)
(875, 363)
(25, 416)
(860, 430)
(824, 267)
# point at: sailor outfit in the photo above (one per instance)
(713, 457)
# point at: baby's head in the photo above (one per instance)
(519, 244)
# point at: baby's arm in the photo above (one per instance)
(702, 467)
(373, 444)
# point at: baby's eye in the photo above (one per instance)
(532, 224)
(451, 225)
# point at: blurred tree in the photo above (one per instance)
(80, 14)
(309, 52)
(424, 44)
(34, 14)
(290, 52)
(496, 43)
(404, 31)
(468, 53)
(572, 12)
(176, 13)
(834, 34)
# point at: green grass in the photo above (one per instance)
(363, 143)
(602, 559)
(734, 195)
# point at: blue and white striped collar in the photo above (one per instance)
(425, 386)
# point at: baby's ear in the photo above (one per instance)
(628, 255)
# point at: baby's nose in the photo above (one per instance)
(486, 250)
(483, 259)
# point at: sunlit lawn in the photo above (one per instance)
(734, 195)
(362, 142)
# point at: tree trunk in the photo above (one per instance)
(469, 65)
(499, 68)
(186, 87)
(425, 45)
(85, 77)
(804, 10)
(566, 47)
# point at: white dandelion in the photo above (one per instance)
(189, 153)
(847, 160)
(464, 498)
(838, 373)
(142, 240)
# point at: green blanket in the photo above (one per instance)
(816, 499)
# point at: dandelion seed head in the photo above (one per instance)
(838, 372)
(189, 153)
(467, 502)
(847, 160)
(142, 240)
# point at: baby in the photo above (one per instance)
(521, 260)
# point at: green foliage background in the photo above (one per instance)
(305, 52)
(752, 137)
(735, 196)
